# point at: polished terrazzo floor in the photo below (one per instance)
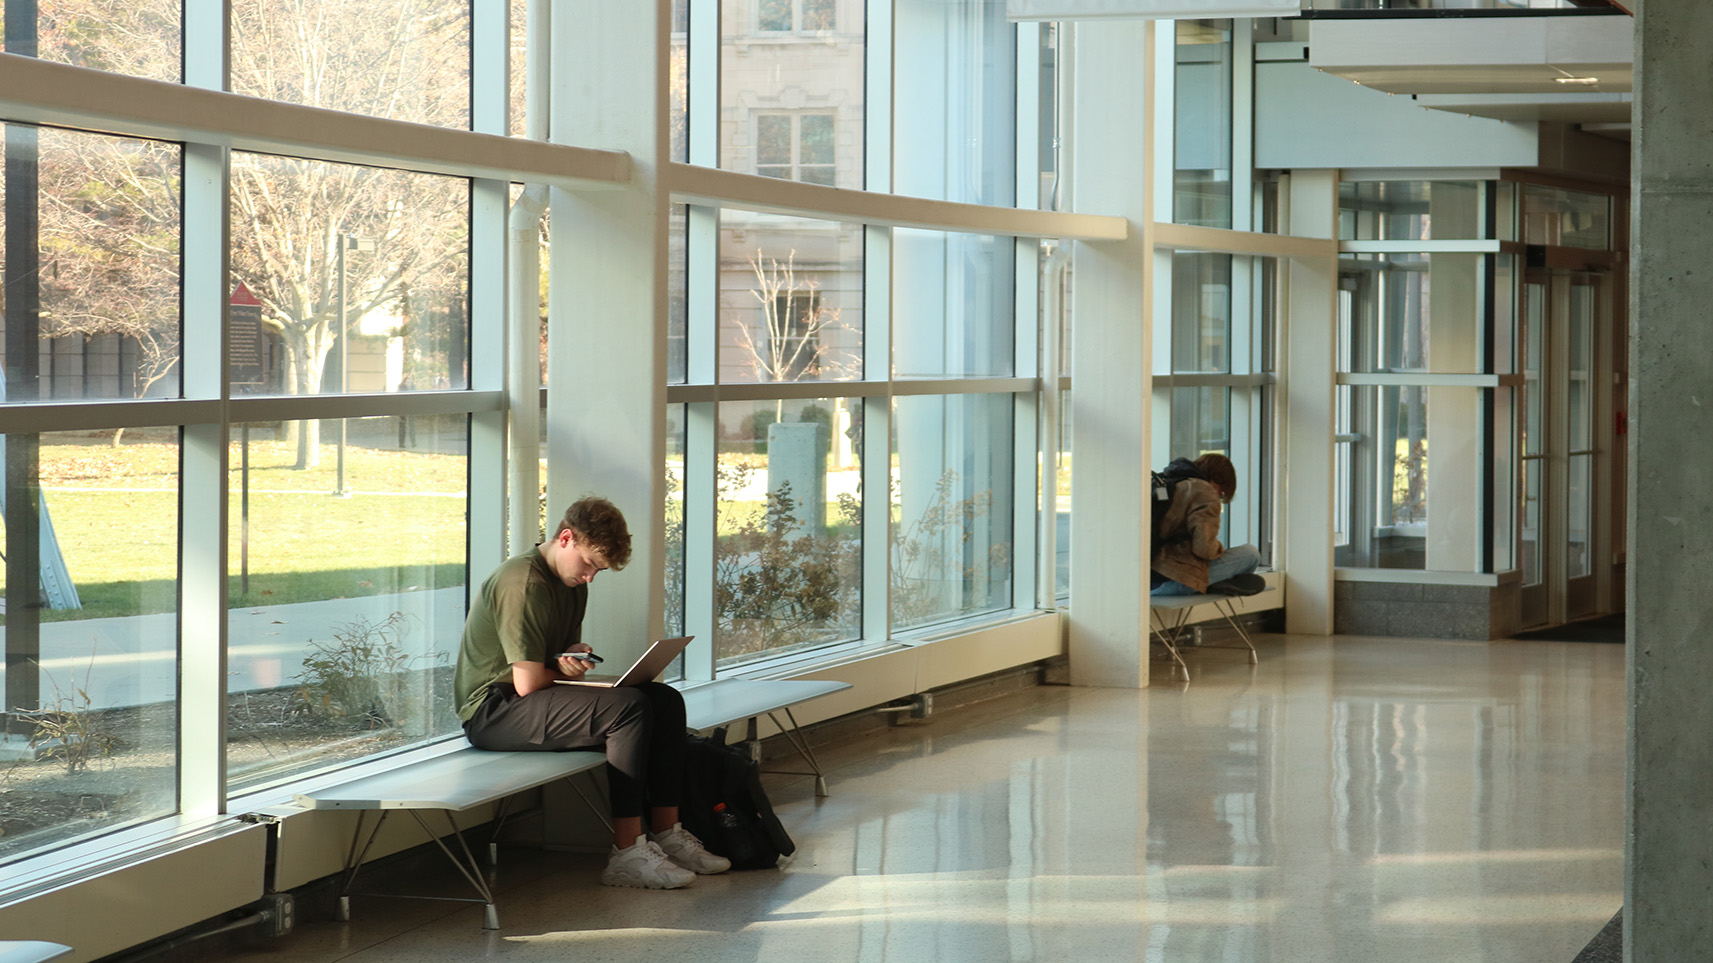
(1349, 799)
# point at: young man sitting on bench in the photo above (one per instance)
(523, 632)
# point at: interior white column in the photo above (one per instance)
(1111, 358)
(606, 409)
(1306, 390)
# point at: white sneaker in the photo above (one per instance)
(686, 850)
(644, 866)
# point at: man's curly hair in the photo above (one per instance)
(601, 527)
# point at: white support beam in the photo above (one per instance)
(1306, 395)
(42, 92)
(772, 195)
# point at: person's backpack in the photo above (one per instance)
(725, 807)
(1163, 482)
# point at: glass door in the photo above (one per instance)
(1562, 536)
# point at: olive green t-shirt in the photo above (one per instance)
(523, 613)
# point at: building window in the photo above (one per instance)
(796, 147)
(794, 16)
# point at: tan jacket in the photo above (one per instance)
(1194, 511)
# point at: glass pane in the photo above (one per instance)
(773, 14)
(347, 608)
(773, 139)
(953, 304)
(677, 82)
(1556, 216)
(1505, 474)
(1062, 501)
(1578, 548)
(773, 65)
(951, 507)
(97, 291)
(142, 38)
(1202, 138)
(1411, 210)
(91, 634)
(400, 59)
(1534, 355)
(816, 137)
(677, 295)
(788, 547)
(394, 242)
(1581, 387)
(955, 133)
(675, 519)
(1201, 313)
(1417, 312)
(1529, 561)
(1201, 422)
(790, 299)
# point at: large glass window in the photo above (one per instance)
(347, 590)
(142, 38)
(90, 626)
(790, 299)
(788, 550)
(91, 265)
(399, 59)
(1202, 135)
(951, 507)
(1419, 312)
(955, 135)
(954, 310)
(346, 279)
(791, 89)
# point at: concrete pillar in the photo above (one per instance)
(1668, 867)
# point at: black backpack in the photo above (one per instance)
(1163, 483)
(725, 807)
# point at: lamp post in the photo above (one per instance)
(363, 245)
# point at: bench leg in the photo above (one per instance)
(354, 862)
(1228, 608)
(1168, 632)
(801, 744)
(471, 872)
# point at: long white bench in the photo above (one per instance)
(1169, 617)
(469, 777)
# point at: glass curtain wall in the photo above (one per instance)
(346, 528)
(1425, 340)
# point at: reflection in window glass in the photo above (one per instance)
(394, 243)
(399, 59)
(674, 518)
(1416, 312)
(96, 693)
(790, 299)
(346, 610)
(98, 291)
(954, 298)
(1201, 313)
(141, 38)
(1411, 210)
(1556, 216)
(1202, 139)
(951, 507)
(1201, 422)
(791, 90)
(788, 545)
(955, 135)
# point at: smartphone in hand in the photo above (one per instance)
(584, 656)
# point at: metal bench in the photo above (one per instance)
(465, 778)
(31, 951)
(1170, 616)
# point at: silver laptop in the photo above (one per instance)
(645, 669)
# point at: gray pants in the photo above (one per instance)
(640, 727)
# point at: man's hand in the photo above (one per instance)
(572, 668)
(530, 677)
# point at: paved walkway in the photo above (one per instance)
(134, 660)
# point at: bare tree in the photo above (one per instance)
(793, 342)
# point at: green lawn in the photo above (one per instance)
(115, 513)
